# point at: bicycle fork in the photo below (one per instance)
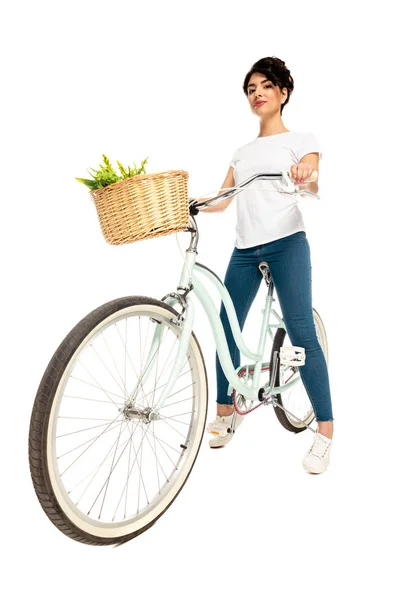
(186, 326)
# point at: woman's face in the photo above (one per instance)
(260, 89)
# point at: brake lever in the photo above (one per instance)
(291, 188)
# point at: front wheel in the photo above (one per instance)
(295, 399)
(102, 470)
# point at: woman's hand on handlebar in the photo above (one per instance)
(301, 171)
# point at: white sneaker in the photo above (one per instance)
(218, 441)
(317, 458)
(220, 425)
(219, 428)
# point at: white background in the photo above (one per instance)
(164, 80)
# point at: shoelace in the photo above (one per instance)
(319, 447)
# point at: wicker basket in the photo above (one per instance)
(142, 207)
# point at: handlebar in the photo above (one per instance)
(284, 176)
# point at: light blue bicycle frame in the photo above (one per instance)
(187, 278)
(188, 282)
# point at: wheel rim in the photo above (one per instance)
(296, 399)
(112, 471)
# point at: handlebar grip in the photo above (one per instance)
(313, 177)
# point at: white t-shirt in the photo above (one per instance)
(263, 213)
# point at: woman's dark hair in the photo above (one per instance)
(275, 69)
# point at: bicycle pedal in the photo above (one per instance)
(292, 355)
(222, 433)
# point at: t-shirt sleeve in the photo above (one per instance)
(234, 159)
(308, 143)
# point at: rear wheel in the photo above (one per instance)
(296, 399)
(103, 472)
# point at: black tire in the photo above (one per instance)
(276, 346)
(41, 413)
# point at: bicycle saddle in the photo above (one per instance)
(263, 266)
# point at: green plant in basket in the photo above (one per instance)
(106, 174)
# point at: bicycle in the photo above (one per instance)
(155, 412)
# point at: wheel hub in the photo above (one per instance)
(135, 413)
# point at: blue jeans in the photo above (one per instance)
(289, 262)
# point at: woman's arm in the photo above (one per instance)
(221, 206)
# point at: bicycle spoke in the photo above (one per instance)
(93, 400)
(159, 440)
(174, 393)
(140, 472)
(84, 418)
(87, 442)
(113, 466)
(96, 470)
(178, 401)
(130, 472)
(75, 432)
(140, 338)
(107, 456)
(150, 362)
(94, 379)
(156, 380)
(169, 424)
(180, 390)
(111, 470)
(162, 447)
(95, 440)
(105, 366)
(180, 414)
(127, 479)
(127, 353)
(98, 387)
(105, 484)
(157, 460)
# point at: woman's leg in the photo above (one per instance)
(290, 264)
(242, 280)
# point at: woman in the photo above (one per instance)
(270, 227)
